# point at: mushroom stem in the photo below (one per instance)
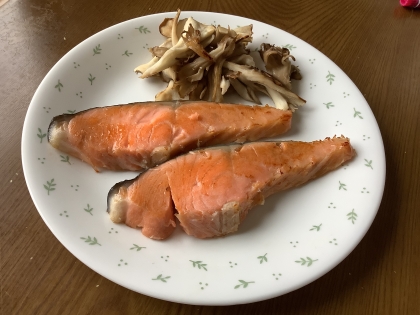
(174, 35)
(257, 76)
(224, 85)
(169, 93)
(279, 101)
(243, 91)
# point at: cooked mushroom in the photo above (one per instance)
(196, 76)
(168, 74)
(189, 84)
(243, 91)
(244, 33)
(180, 50)
(192, 40)
(200, 90)
(169, 93)
(295, 73)
(214, 82)
(243, 59)
(220, 33)
(166, 28)
(201, 62)
(278, 99)
(142, 68)
(158, 51)
(224, 85)
(174, 34)
(277, 62)
(227, 43)
(185, 89)
(263, 78)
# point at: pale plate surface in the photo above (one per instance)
(295, 238)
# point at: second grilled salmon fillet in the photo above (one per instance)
(141, 135)
(211, 190)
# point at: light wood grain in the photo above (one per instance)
(376, 43)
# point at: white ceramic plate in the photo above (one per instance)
(295, 238)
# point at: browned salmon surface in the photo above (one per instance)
(211, 190)
(141, 135)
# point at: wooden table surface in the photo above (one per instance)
(377, 43)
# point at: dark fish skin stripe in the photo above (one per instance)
(57, 120)
(114, 190)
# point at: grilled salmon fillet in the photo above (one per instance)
(211, 190)
(138, 136)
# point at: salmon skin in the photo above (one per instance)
(211, 190)
(138, 136)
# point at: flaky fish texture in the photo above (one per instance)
(138, 136)
(210, 191)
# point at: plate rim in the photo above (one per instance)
(157, 16)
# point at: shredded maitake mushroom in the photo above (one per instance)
(202, 62)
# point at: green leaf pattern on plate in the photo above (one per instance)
(41, 135)
(91, 78)
(97, 50)
(328, 105)
(342, 186)
(330, 78)
(91, 240)
(137, 248)
(244, 284)
(357, 114)
(88, 209)
(162, 278)
(289, 46)
(65, 159)
(352, 216)
(50, 186)
(127, 53)
(308, 261)
(59, 86)
(263, 258)
(369, 163)
(316, 228)
(142, 29)
(199, 264)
